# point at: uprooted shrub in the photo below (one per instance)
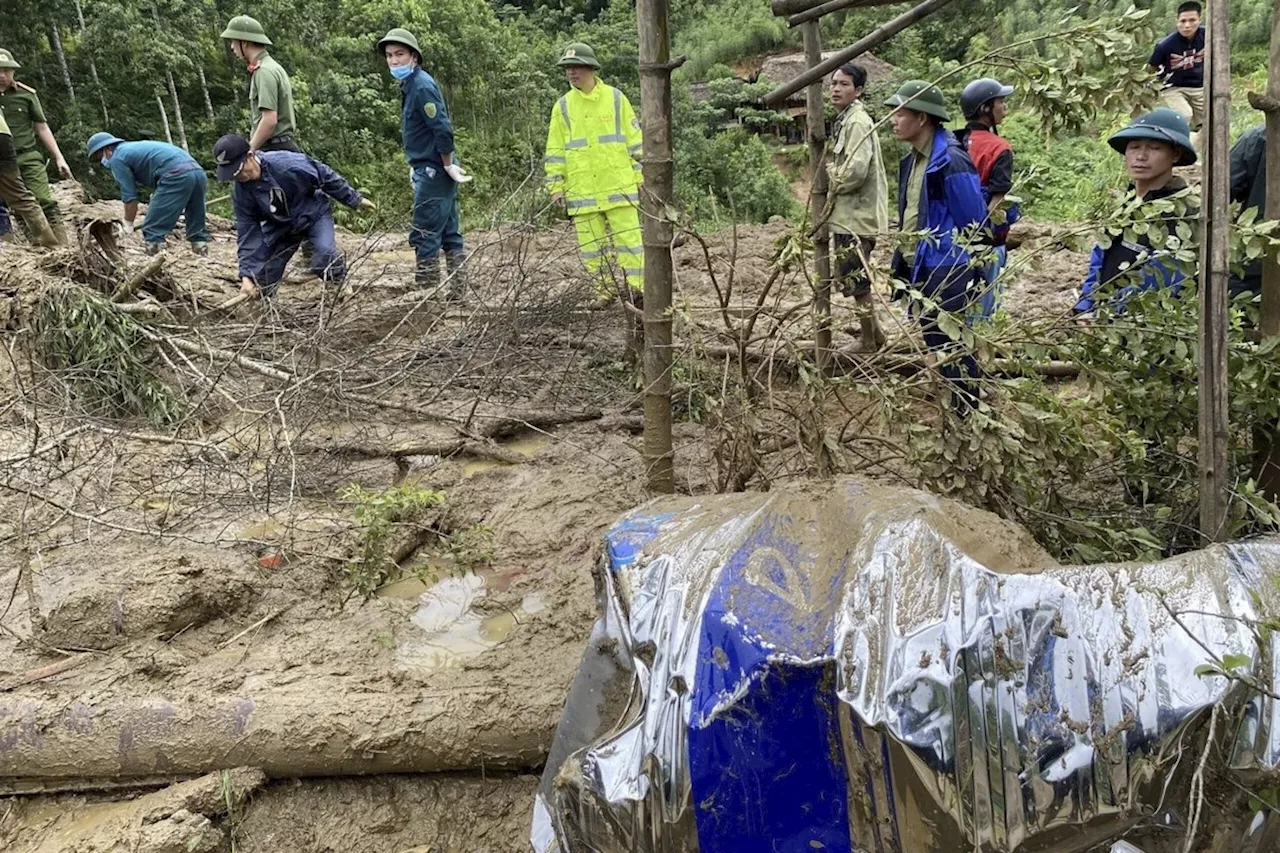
(103, 357)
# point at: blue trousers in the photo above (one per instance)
(950, 288)
(5, 225)
(988, 300)
(177, 193)
(326, 260)
(435, 215)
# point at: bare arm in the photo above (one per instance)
(266, 129)
(51, 145)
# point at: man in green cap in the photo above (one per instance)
(270, 93)
(938, 193)
(26, 119)
(14, 193)
(593, 171)
(1152, 145)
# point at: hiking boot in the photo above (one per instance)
(199, 249)
(455, 262)
(154, 248)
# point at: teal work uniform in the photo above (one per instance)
(180, 186)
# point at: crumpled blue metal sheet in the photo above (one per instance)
(861, 668)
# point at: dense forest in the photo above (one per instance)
(151, 69)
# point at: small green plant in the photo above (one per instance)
(377, 513)
(473, 547)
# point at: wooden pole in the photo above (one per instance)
(831, 6)
(657, 198)
(868, 42)
(815, 117)
(783, 8)
(1214, 267)
(1267, 440)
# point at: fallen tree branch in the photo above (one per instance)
(134, 284)
(49, 671)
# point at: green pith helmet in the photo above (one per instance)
(922, 97)
(400, 35)
(244, 28)
(7, 60)
(579, 53)
(1163, 125)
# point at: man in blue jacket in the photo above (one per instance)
(178, 186)
(938, 193)
(428, 145)
(1152, 145)
(282, 198)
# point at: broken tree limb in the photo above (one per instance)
(503, 425)
(134, 284)
(420, 447)
(783, 8)
(812, 14)
(868, 42)
(193, 348)
(41, 673)
(905, 363)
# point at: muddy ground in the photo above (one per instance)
(176, 600)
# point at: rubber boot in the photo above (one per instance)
(427, 275)
(46, 237)
(60, 233)
(872, 338)
(455, 262)
(9, 237)
(154, 248)
(199, 249)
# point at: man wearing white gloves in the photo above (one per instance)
(428, 145)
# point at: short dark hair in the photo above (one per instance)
(1191, 6)
(856, 73)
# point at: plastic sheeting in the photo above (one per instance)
(860, 668)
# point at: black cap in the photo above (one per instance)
(229, 153)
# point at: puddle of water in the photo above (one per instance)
(450, 630)
(406, 588)
(526, 444)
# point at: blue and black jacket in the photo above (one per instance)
(951, 202)
(424, 121)
(292, 194)
(1134, 264)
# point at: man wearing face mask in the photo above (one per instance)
(282, 198)
(178, 183)
(428, 145)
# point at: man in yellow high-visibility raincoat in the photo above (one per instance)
(593, 171)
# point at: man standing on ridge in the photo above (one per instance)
(280, 199)
(984, 107)
(427, 133)
(27, 124)
(1179, 60)
(14, 193)
(593, 171)
(178, 186)
(858, 194)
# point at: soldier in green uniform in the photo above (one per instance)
(27, 123)
(273, 126)
(14, 193)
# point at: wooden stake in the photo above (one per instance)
(1214, 267)
(868, 42)
(656, 202)
(1267, 440)
(815, 117)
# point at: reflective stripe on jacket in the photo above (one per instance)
(594, 149)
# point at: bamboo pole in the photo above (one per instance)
(868, 42)
(815, 118)
(1214, 267)
(657, 198)
(830, 6)
(783, 8)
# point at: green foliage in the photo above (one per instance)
(104, 357)
(377, 514)
(473, 547)
(1065, 178)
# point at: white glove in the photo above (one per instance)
(411, 180)
(459, 176)
(127, 226)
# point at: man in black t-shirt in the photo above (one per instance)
(1179, 60)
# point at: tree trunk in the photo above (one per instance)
(815, 117)
(164, 119)
(93, 67)
(177, 110)
(56, 40)
(1214, 266)
(657, 195)
(204, 89)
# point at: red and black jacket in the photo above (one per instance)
(992, 156)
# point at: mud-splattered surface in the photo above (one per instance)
(173, 601)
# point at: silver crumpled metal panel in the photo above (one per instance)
(861, 668)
